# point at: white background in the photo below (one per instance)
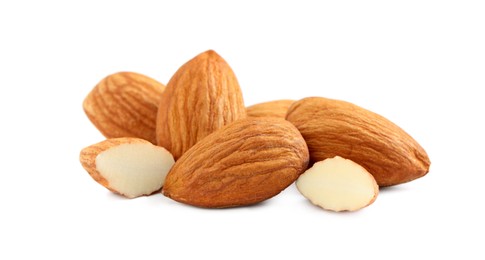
(419, 63)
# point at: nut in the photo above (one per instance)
(125, 104)
(245, 162)
(131, 167)
(338, 184)
(276, 108)
(201, 97)
(338, 128)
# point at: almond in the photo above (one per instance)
(338, 184)
(337, 128)
(125, 104)
(245, 162)
(276, 108)
(131, 167)
(201, 97)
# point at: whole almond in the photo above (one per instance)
(276, 108)
(201, 97)
(245, 162)
(125, 104)
(337, 128)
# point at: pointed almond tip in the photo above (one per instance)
(206, 55)
(211, 54)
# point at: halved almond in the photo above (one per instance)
(131, 167)
(338, 184)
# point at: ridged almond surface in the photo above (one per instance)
(125, 104)
(245, 162)
(338, 128)
(129, 166)
(201, 97)
(276, 108)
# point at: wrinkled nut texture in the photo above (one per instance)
(201, 97)
(130, 167)
(276, 108)
(245, 162)
(338, 128)
(125, 104)
(338, 184)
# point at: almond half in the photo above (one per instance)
(338, 184)
(131, 167)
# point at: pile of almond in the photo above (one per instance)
(195, 140)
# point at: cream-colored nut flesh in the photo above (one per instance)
(338, 184)
(128, 166)
(135, 169)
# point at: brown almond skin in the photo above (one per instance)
(338, 128)
(276, 108)
(125, 104)
(201, 97)
(243, 163)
